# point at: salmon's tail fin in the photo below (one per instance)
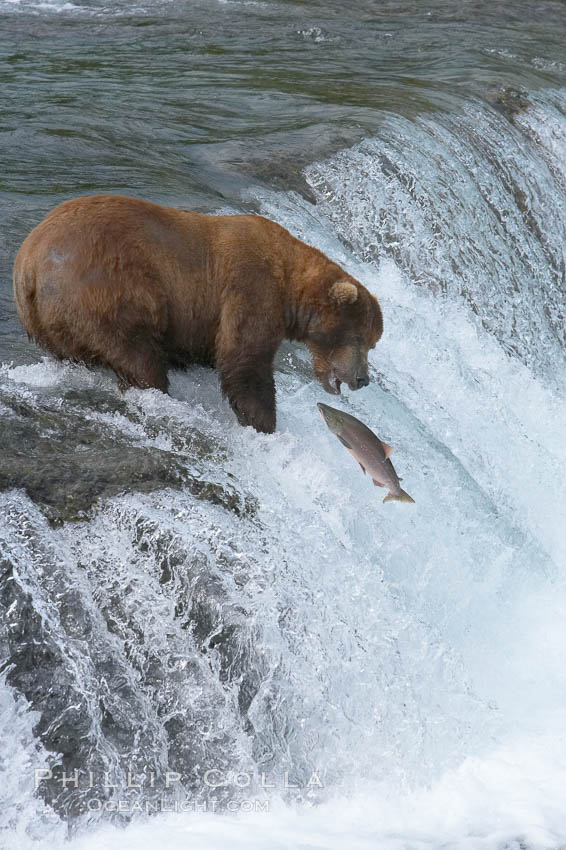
(400, 497)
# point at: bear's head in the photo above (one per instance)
(346, 323)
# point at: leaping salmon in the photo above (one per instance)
(371, 453)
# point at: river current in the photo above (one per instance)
(217, 638)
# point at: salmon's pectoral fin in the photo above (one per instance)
(387, 448)
(362, 467)
(377, 483)
(344, 443)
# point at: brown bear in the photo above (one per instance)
(138, 287)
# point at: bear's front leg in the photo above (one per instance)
(247, 339)
(249, 387)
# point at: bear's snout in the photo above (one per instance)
(358, 381)
(346, 366)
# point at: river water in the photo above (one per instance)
(225, 639)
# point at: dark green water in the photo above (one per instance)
(189, 103)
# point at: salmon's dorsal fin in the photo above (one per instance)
(387, 448)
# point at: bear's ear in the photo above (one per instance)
(344, 292)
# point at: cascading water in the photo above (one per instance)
(249, 629)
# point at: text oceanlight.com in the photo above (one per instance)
(109, 799)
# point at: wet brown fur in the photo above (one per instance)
(138, 287)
